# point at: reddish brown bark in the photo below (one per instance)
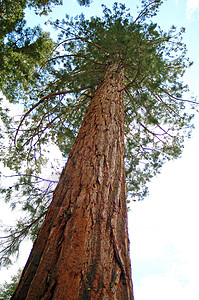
(82, 250)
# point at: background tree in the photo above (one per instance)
(152, 63)
(23, 49)
(7, 289)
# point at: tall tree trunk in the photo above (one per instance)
(82, 249)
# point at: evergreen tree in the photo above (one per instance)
(22, 49)
(120, 78)
(7, 289)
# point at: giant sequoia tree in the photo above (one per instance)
(111, 90)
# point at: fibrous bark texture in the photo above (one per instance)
(82, 249)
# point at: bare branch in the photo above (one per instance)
(31, 175)
(178, 99)
(144, 10)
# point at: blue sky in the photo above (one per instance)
(164, 227)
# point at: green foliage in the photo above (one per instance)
(23, 52)
(12, 12)
(22, 49)
(7, 289)
(56, 91)
(84, 2)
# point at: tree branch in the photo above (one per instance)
(41, 101)
(144, 10)
(31, 175)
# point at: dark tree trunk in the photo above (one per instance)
(82, 249)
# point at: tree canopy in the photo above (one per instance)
(22, 48)
(55, 91)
